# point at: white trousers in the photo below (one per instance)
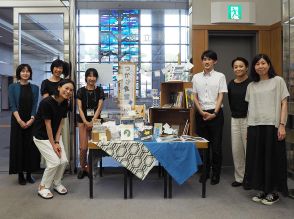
(55, 166)
(239, 140)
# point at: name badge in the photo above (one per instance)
(90, 112)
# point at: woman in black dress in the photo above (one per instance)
(90, 103)
(23, 99)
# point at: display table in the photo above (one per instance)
(179, 159)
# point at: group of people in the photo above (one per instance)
(258, 104)
(38, 130)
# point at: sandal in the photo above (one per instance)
(45, 193)
(60, 189)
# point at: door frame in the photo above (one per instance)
(40, 10)
(269, 41)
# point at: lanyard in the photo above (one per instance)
(87, 97)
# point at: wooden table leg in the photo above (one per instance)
(91, 173)
(204, 173)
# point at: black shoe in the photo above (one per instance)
(236, 184)
(246, 186)
(82, 174)
(21, 179)
(30, 179)
(214, 180)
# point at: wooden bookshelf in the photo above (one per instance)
(173, 116)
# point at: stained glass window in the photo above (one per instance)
(151, 38)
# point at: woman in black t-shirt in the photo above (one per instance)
(236, 95)
(47, 137)
(49, 86)
(90, 103)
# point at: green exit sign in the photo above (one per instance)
(234, 12)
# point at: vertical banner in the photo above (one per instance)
(127, 83)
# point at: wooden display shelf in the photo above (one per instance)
(173, 116)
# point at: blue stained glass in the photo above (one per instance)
(104, 28)
(113, 21)
(114, 49)
(113, 58)
(114, 13)
(112, 39)
(114, 30)
(104, 38)
(120, 35)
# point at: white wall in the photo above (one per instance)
(267, 11)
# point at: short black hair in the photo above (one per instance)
(61, 83)
(246, 63)
(22, 67)
(271, 72)
(93, 71)
(209, 54)
(56, 63)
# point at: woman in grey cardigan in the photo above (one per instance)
(23, 100)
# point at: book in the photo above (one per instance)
(189, 96)
(146, 132)
(179, 101)
(127, 132)
(157, 129)
(193, 138)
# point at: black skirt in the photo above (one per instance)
(266, 161)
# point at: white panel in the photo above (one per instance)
(105, 72)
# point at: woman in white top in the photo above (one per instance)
(266, 162)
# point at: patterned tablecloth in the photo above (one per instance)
(134, 156)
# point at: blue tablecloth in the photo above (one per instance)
(180, 159)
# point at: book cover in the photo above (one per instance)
(127, 132)
(157, 129)
(189, 96)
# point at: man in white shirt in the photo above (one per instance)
(209, 87)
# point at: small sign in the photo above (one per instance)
(234, 12)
